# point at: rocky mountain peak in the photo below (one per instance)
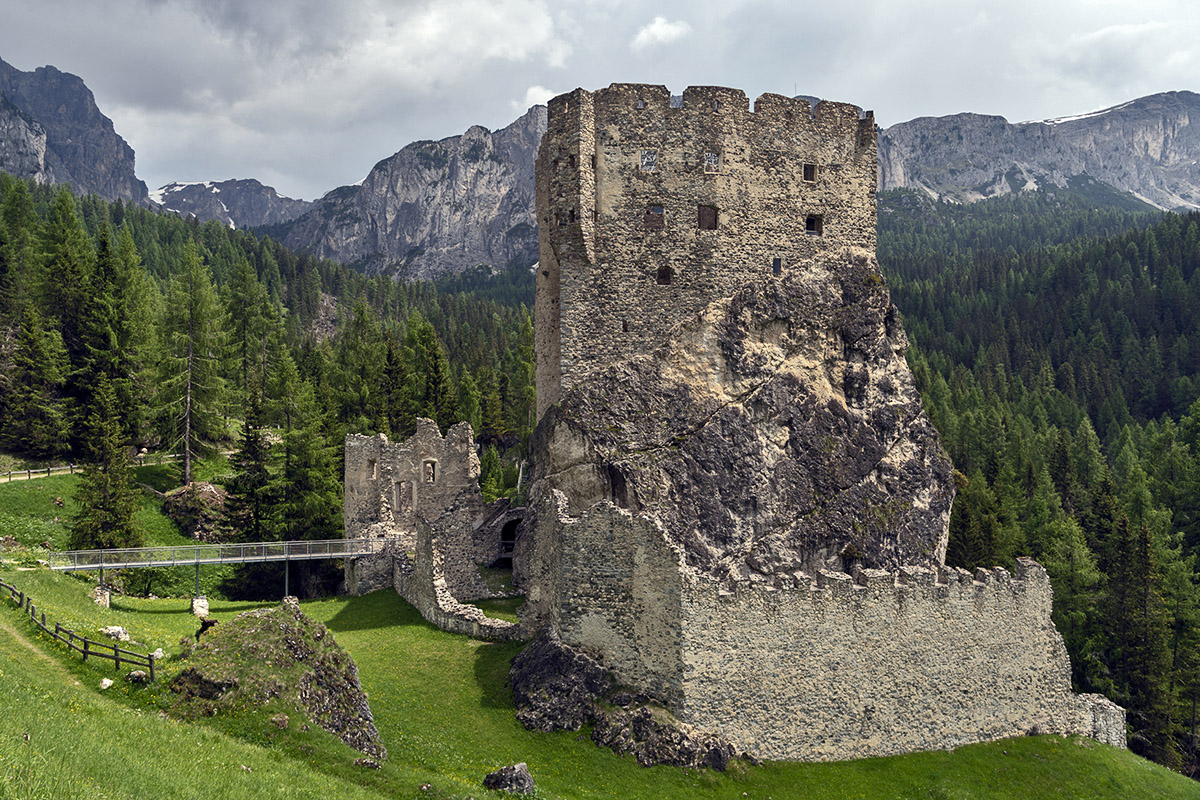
(81, 147)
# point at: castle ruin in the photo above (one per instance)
(740, 507)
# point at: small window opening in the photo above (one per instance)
(712, 162)
(776, 266)
(431, 472)
(653, 220)
(624, 326)
(593, 161)
(557, 167)
(706, 218)
(372, 468)
(566, 106)
(813, 225)
(641, 103)
(664, 276)
(649, 160)
(810, 172)
(404, 494)
(571, 215)
(716, 105)
(573, 162)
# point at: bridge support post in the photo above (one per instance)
(286, 577)
(197, 594)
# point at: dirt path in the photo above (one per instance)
(14, 632)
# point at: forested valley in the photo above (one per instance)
(129, 332)
(1055, 338)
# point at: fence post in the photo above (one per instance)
(117, 657)
(86, 643)
(43, 620)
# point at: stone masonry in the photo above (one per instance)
(647, 212)
(422, 495)
(740, 508)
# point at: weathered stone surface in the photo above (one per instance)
(778, 431)
(514, 779)
(198, 510)
(556, 687)
(81, 148)
(280, 654)
(740, 511)
(422, 497)
(200, 606)
(116, 632)
(236, 203)
(137, 676)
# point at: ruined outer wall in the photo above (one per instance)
(423, 581)
(840, 670)
(619, 588)
(386, 485)
(598, 297)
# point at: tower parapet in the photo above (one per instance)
(652, 210)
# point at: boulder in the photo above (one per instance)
(514, 779)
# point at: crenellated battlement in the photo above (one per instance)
(874, 663)
(651, 209)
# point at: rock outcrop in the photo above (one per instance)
(22, 143)
(435, 207)
(779, 431)
(1145, 147)
(236, 203)
(273, 657)
(81, 147)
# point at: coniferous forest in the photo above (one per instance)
(1055, 338)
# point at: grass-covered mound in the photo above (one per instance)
(277, 667)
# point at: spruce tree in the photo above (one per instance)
(192, 387)
(36, 417)
(105, 494)
(248, 503)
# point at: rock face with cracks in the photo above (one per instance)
(778, 431)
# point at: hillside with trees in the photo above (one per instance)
(131, 331)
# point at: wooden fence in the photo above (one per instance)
(29, 473)
(81, 644)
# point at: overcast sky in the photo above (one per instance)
(307, 95)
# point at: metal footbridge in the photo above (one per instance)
(186, 555)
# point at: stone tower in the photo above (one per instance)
(652, 209)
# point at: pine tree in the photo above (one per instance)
(307, 488)
(36, 418)
(105, 495)
(1138, 642)
(193, 389)
(248, 503)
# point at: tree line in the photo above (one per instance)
(1057, 349)
(131, 331)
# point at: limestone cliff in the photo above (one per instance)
(435, 207)
(22, 143)
(778, 431)
(1145, 147)
(242, 203)
(81, 146)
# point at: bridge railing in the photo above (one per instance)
(239, 552)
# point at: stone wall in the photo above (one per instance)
(625, 181)
(833, 668)
(388, 485)
(424, 580)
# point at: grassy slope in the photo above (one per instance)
(441, 705)
(445, 715)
